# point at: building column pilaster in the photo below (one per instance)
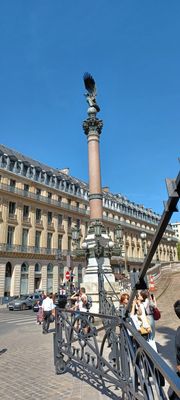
(31, 279)
(16, 280)
(44, 278)
(55, 278)
(2, 279)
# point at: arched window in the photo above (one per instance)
(37, 277)
(61, 273)
(24, 278)
(37, 268)
(50, 278)
(8, 275)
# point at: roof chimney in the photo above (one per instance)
(64, 171)
(106, 189)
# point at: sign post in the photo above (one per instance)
(67, 275)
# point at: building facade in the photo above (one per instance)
(176, 229)
(40, 205)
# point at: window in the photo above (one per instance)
(12, 208)
(10, 235)
(37, 239)
(25, 211)
(38, 191)
(59, 199)
(25, 237)
(78, 222)
(69, 243)
(49, 217)
(86, 228)
(49, 195)
(59, 242)
(69, 202)
(60, 218)
(69, 222)
(38, 214)
(49, 240)
(77, 205)
(26, 187)
(12, 183)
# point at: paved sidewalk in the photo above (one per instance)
(27, 370)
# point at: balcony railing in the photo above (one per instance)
(78, 210)
(50, 226)
(30, 249)
(61, 229)
(39, 223)
(37, 197)
(26, 220)
(12, 218)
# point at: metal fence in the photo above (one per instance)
(111, 353)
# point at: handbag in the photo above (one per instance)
(156, 314)
(144, 331)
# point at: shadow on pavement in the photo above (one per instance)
(167, 349)
(2, 351)
(99, 384)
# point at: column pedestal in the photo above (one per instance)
(96, 264)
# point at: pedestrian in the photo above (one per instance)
(124, 299)
(172, 395)
(47, 306)
(40, 313)
(80, 305)
(150, 303)
(145, 328)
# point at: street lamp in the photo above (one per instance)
(119, 243)
(118, 234)
(75, 232)
(143, 237)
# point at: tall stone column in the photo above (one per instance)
(92, 128)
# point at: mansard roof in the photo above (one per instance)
(108, 196)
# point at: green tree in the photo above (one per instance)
(178, 250)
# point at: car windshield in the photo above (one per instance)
(23, 297)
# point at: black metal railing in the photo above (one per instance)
(117, 355)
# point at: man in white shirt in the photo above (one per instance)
(47, 306)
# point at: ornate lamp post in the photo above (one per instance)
(75, 234)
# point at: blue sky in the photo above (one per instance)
(132, 48)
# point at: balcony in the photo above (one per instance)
(39, 223)
(44, 199)
(13, 248)
(61, 229)
(26, 221)
(50, 226)
(12, 218)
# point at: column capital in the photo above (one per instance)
(92, 124)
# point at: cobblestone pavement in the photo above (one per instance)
(27, 370)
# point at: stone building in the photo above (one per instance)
(39, 206)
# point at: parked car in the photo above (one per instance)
(20, 303)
